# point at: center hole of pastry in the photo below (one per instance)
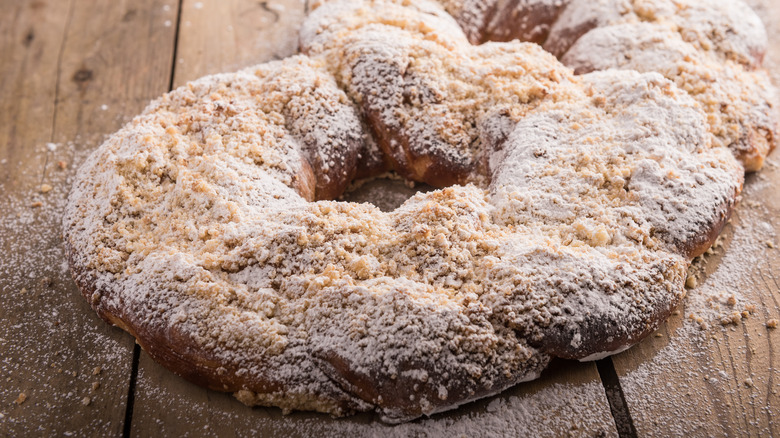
(386, 192)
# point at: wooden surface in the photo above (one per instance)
(724, 381)
(70, 71)
(74, 71)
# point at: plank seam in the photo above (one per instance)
(131, 392)
(616, 398)
(175, 46)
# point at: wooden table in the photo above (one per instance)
(73, 71)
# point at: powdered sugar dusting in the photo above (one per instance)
(712, 49)
(433, 99)
(578, 409)
(471, 15)
(717, 361)
(191, 229)
(723, 298)
(51, 343)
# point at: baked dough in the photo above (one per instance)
(713, 49)
(570, 210)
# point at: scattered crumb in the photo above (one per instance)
(691, 282)
(659, 335)
(770, 324)
(33, 260)
(45, 188)
(21, 399)
(703, 325)
(97, 370)
(748, 382)
(733, 318)
(95, 386)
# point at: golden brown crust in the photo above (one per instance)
(178, 352)
(415, 166)
(521, 20)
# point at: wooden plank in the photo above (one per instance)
(724, 380)
(69, 73)
(30, 44)
(226, 35)
(567, 401)
(221, 36)
(721, 380)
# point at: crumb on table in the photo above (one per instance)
(21, 399)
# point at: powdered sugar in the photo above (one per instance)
(728, 29)
(711, 49)
(190, 227)
(428, 93)
(722, 296)
(51, 342)
(577, 408)
(471, 15)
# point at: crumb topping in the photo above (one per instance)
(712, 49)
(207, 223)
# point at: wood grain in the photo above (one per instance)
(221, 36)
(567, 401)
(723, 381)
(72, 71)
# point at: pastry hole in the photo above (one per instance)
(387, 192)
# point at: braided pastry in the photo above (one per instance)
(569, 209)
